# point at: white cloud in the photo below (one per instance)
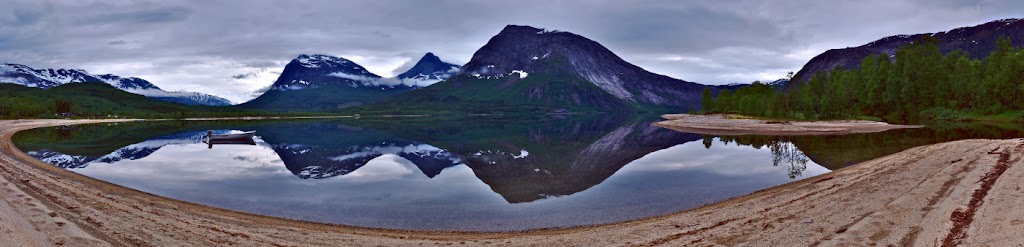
(352, 77)
(388, 81)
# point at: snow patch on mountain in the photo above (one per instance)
(522, 74)
(609, 83)
(319, 60)
(312, 71)
(522, 154)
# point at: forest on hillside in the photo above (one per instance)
(100, 100)
(917, 83)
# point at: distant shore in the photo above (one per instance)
(965, 192)
(730, 125)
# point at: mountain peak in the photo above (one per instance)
(315, 70)
(430, 58)
(430, 69)
(518, 51)
(512, 28)
(524, 29)
(325, 82)
(320, 60)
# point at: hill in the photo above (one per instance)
(977, 41)
(49, 78)
(96, 99)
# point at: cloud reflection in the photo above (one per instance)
(728, 159)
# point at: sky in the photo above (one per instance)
(233, 48)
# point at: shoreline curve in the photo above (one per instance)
(727, 125)
(914, 192)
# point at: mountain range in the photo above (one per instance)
(521, 69)
(49, 78)
(977, 41)
(325, 82)
(527, 69)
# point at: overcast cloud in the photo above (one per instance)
(232, 48)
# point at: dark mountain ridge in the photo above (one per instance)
(527, 69)
(977, 41)
(521, 47)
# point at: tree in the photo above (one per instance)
(706, 100)
(61, 106)
(917, 81)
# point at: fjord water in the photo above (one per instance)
(474, 174)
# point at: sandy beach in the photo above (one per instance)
(964, 192)
(719, 124)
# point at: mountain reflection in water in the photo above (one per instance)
(522, 162)
(464, 174)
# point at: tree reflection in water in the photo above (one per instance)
(784, 152)
(787, 154)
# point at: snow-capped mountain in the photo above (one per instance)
(44, 78)
(524, 67)
(322, 82)
(183, 97)
(312, 71)
(48, 78)
(429, 70)
(978, 41)
(128, 84)
(524, 48)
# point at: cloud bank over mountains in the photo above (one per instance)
(232, 48)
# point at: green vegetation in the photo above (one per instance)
(321, 99)
(918, 83)
(100, 100)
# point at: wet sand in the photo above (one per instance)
(719, 124)
(966, 192)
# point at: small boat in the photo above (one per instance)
(231, 136)
(239, 141)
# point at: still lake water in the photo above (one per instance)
(474, 174)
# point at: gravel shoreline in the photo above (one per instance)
(719, 124)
